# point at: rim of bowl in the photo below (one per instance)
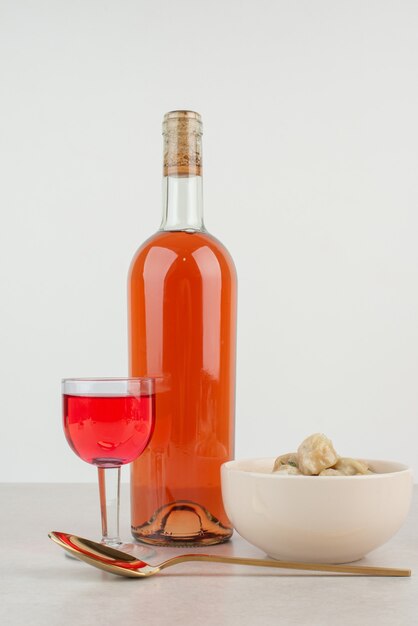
(403, 469)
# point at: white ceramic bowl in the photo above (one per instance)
(327, 519)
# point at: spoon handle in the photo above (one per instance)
(357, 570)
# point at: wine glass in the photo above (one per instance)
(108, 422)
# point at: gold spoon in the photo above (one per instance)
(122, 564)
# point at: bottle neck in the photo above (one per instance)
(182, 184)
(182, 203)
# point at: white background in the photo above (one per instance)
(310, 153)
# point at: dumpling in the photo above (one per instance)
(331, 472)
(288, 469)
(316, 456)
(351, 467)
(316, 453)
(291, 458)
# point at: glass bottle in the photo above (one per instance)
(182, 327)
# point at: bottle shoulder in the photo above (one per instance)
(175, 245)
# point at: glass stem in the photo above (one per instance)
(109, 488)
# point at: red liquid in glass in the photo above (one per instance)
(108, 430)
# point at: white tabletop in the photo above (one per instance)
(40, 586)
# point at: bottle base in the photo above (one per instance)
(184, 524)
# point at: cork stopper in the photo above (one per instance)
(182, 132)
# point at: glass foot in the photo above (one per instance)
(140, 552)
(136, 550)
